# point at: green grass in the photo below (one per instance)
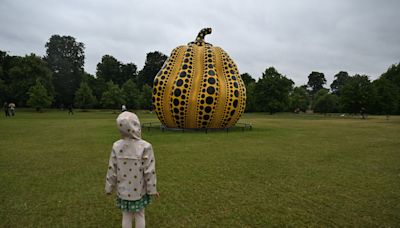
(304, 170)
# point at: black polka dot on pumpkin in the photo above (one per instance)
(207, 109)
(235, 103)
(182, 74)
(177, 92)
(233, 78)
(235, 85)
(210, 66)
(210, 90)
(206, 117)
(176, 110)
(209, 100)
(179, 82)
(211, 81)
(232, 112)
(176, 102)
(184, 66)
(182, 102)
(236, 93)
(211, 72)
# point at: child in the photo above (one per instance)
(131, 170)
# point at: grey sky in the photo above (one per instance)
(296, 37)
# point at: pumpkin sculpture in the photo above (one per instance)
(199, 86)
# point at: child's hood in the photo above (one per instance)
(129, 125)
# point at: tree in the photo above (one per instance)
(339, 81)
(65, 58)
(299, 99)
(24, 74)
(247, 79)
(97, 85)
(316, 81)
(113, 97)
(272, 91)
(393, 74)
(38, 96)
(251, 105)
(153, 64)
(84, 96)
(110, 69)
(129, 72)
(387, 96)
(325, 102)
(146, 97)
(357, 94)
(132, 94)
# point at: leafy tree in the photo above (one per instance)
(24, 74)
(38, 96)
(247, 79)
(113, 97)
(272, 91)
(316, 81)
(325, 102)
(153, 64)
(356, 94)
(84, 96)
(393, 74)
(145, 97)
(110, 69)
(132, 94)
(129, 72)
(387, 96)
(340, 80)
(65, 58)
(299, 99)
(3, 92)
(251, 104)
(98, 85)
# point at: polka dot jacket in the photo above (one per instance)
(131, 168)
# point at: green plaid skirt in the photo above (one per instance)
(133, 205)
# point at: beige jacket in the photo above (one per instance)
(132, 163)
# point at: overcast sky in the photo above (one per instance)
(296, 37)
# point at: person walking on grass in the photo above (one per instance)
(70, 110)
(11, 108)
(131, 171)
(5, 107)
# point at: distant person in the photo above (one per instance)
(5, 107)
(123, 108)
(363, 113)
(131, 170)
(70, 110)
(11, 108)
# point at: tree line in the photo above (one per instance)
(274, 92)
(58, 79)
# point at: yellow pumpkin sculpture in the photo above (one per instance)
(199, 86)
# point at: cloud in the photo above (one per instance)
(296, 37)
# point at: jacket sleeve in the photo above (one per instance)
(149, 170)
(111, 177)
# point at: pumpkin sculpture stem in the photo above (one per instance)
(200, 37)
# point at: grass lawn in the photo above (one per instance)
(290, 170)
